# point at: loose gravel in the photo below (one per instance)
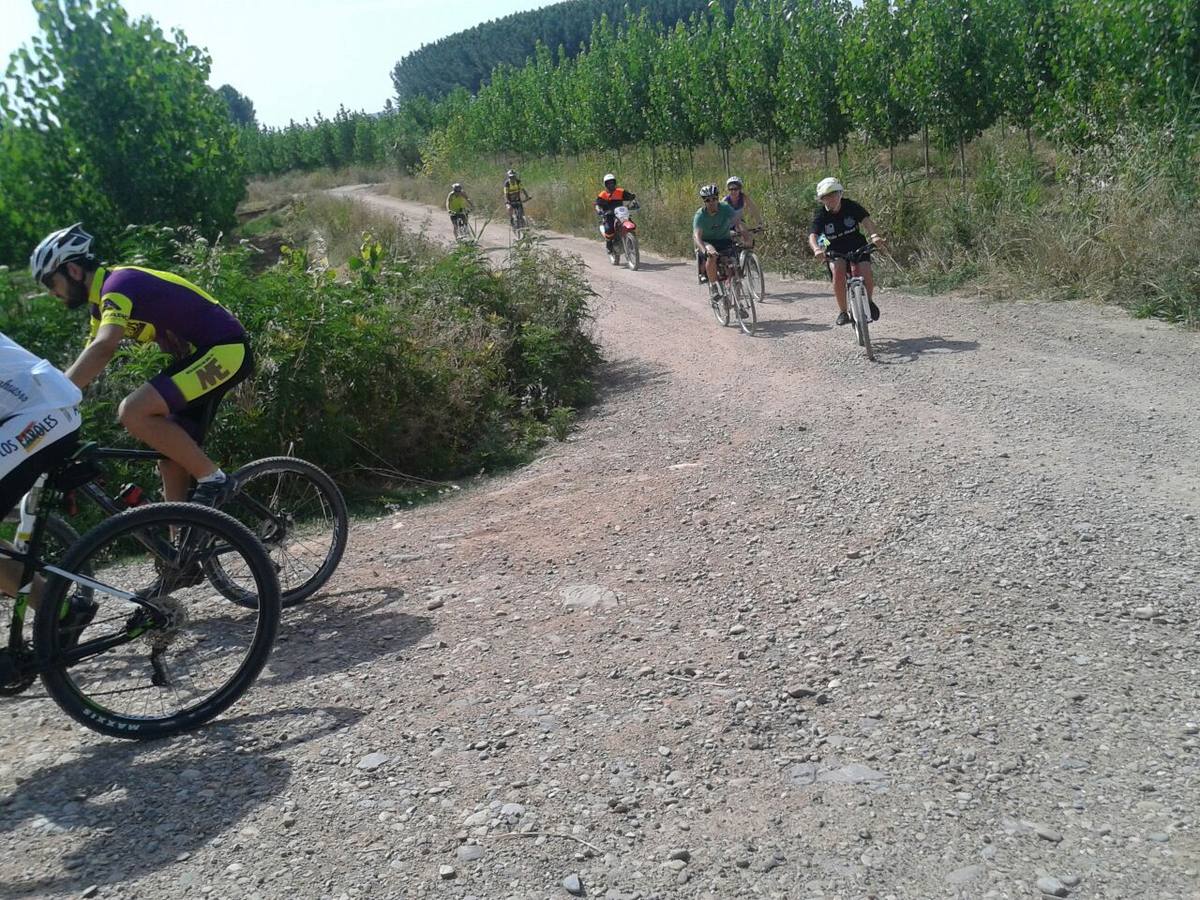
(775, 621)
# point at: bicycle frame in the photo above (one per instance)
(31, 530)
(93, 491)
(857, 300)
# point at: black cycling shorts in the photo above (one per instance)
(193, 386)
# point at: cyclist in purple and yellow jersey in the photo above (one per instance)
(171, 412)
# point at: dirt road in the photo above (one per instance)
(776, 621)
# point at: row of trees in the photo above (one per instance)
(467, 58)
(111, 121)
(392, 137)
(810, 73)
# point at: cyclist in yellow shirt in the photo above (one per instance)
(458, 204)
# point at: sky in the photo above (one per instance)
(294, 58)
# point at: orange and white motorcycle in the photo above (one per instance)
(620, 234)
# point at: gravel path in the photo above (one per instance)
(775, 621)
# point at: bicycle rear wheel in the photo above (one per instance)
(299, 515)
(752, 276)
(162, 653)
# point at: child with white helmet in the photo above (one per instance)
(837, 225)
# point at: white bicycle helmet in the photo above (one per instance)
(511, 173)
(732, 180)
(708, 191)
(456, 187)
(828, 186)
(63, 246)
(610, 177)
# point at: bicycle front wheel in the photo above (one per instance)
(299, 515)
(720, 304)
(862, 318)
(161, 653)
(743, 303)
(752, 277)
(632, 254)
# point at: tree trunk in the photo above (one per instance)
(825, 155)
(925, 142)
(1029, 139)
(962, 162)
(891, 157)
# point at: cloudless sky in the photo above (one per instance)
(294, 58)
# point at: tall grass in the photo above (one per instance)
(1119, 225)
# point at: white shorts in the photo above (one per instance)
(31, 444)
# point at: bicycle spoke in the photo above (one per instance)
(178, 655)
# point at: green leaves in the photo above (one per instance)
(116, 124)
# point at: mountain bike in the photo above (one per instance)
(731, 295)
(129, 639)
(294, 509)
(856, 295)
(516, 217)
(462, 230)
(751, 270)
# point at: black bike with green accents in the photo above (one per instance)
(129, 638)
(293, 507)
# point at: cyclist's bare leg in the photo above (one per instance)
(839, 283)
(175, 480)
(710, 267)
(144, 415)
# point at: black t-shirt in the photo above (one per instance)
(841, 228)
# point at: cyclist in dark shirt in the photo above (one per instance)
(836, 226)
(210, 348)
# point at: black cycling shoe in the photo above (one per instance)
(169, 580)
(80, 612)
(843, 319)
(214, 493)
(874, 311)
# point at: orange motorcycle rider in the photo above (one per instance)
(606, 203)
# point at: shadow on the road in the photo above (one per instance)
(144, 805)
(623, 375)
(329, 635)
(911, 349)
(791, 297)
(777, 328)
(644, 266)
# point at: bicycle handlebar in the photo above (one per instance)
(859, 254)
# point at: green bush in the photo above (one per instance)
(414, 362)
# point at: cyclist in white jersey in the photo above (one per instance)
(39, 428)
